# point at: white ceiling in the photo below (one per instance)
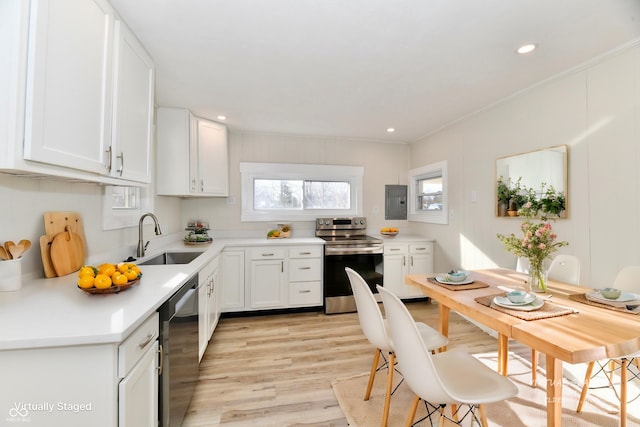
(353, 68)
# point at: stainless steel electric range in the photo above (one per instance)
(347, 245)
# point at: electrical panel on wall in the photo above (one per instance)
(395, 202)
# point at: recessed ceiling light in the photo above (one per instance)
(390, 130)
(527, 48)
(222, 117)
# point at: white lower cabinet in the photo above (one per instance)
(305, 276)
(232, 268)
(138, 392)
(138, 370)
(267, 280)
(402, 259)
(271, 278)
(111, 385)
(208, 304)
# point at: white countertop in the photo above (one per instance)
(54, 312)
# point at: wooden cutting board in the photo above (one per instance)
(54, 224)
(67, 253)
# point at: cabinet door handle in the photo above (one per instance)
(193, 185)
(202, 185)
(160, 361)
(411, 260)
(404, 260)
(147, 340)
(108, 165)
(121, 157)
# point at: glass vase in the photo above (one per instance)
(537, 276)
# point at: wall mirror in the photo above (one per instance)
(539, 177)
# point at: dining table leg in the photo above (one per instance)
(444, 323)
(554, 391)
(503, 354)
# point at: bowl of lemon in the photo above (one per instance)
(389, 231)
(108, 278)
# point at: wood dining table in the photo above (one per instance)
(584, 332)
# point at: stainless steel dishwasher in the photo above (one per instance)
(179, 367)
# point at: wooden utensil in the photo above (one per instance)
(45, 253)
(67, 253)
(25, 243)
(7, 246)
(3, 254)
(16, 251)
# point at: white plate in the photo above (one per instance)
(620, 301)
(443, 279)
(527, 300)
(534, 305)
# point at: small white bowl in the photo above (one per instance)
(516, 296)
(458, 276)
(610, 293)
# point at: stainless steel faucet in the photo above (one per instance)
(141, 245)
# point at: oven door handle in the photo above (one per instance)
(352, 251)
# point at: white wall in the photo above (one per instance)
(595, 111)
(384, 163)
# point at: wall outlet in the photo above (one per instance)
(231, 200)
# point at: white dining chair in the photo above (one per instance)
(522, 264)
(627, 279)
(566, 269)
(449, 378)
(374, 327)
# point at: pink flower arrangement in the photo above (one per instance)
(537, 244)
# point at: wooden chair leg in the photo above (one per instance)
(612, 368)
(623, 393)
(412, 410)
(454, 412)
(372, 374)
(534, 368)
(585, 386)
(387, 397)
(483, 415)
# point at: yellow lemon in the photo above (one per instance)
(87, 270)
(102, 281)
(86, 281)
(119, 279)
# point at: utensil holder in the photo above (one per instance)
(10, 275)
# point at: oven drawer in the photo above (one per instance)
(302, 270)
(267, 253)
(305, 252)
(305, 293)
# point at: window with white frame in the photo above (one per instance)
(122, 206)
(299, 192)
(428, 194)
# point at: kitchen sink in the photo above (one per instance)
(168, 258)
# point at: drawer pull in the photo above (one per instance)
(271, 254)
(306, 291)
(420, 249)
(148, 339)
(304, 253)
(394, 249)
(304, 268)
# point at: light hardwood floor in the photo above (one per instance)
(276, 370)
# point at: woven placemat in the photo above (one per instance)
(475, 285)
(547, 310)
(584, 300)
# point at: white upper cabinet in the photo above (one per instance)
(193, 157)
(78, 88)
(69, 78)
(132, 108)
